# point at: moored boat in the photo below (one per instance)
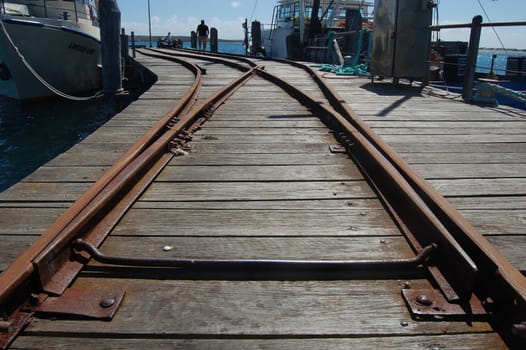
(302, 26)
(49, 47)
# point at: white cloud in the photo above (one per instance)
(235, 4)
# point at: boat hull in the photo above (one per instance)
(66, 58)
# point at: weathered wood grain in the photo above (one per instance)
(170, 222)
(230, 191)
(258, 309)
(466, 341)
(211, 173)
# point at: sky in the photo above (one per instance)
(180, 17)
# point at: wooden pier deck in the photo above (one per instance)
(270, 188)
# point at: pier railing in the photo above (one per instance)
(473, 47)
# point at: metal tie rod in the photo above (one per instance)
(81, 245)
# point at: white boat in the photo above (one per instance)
(49, 47)
(291, 23)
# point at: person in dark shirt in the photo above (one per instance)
(202, 35)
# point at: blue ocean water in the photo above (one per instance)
(234, 47)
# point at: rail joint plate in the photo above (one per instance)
(94, 304)
(431, 303)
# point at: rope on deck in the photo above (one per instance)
(486, 93)
(352, 68)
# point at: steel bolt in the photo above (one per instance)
(422, 299)
(404, 323)
(407, 285)
(107, 302)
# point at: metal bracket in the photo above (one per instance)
(95, 304)
(431, 303)
(10, 329)
(337, 149)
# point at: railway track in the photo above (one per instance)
(471, 280)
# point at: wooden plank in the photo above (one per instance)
(91, 154)
(493, 222)
(266, 139)
(458, 139)
(27, 221)
(256, 132)
(231, 191)
(466, 341)
(312, 204)
(513, 248)
(66, 174)
(480, 187)
(306, 248)
(506, 124)
(474, 171)
(198, 157)
(266, 173)
(322, 222)
(12, 247)
(464, 158)
(500, 202)
(257, 308)
(223, 121)
(472, 131)
(254, 148)
(44, 192)
(460, 147)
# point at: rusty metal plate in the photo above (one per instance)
(337, 149)
(10, 329)
(431, 303)
(96, 304)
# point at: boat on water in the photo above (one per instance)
(299, 28)
(49, 46)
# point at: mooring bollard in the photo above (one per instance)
(213, 40)
(473, 50)
(110, 27)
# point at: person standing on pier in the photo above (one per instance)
(202, 35)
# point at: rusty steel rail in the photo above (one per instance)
(463, 263)
(497, 279)
(21, 270)
(482, 271)
(46, 265)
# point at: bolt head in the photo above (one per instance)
(107, 302)
(422, 299)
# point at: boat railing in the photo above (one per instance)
(70, 10)
(470, 65)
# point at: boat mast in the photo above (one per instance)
(302, 21)
(315, 24)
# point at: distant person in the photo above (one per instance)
(202, 35)
(168, 37)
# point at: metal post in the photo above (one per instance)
(124, 44)
(302, 21)
(473, 49)
(193, 40)
(110, 26)
(76, 13)
(213, 39)
(133, 43)
(149, 24)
